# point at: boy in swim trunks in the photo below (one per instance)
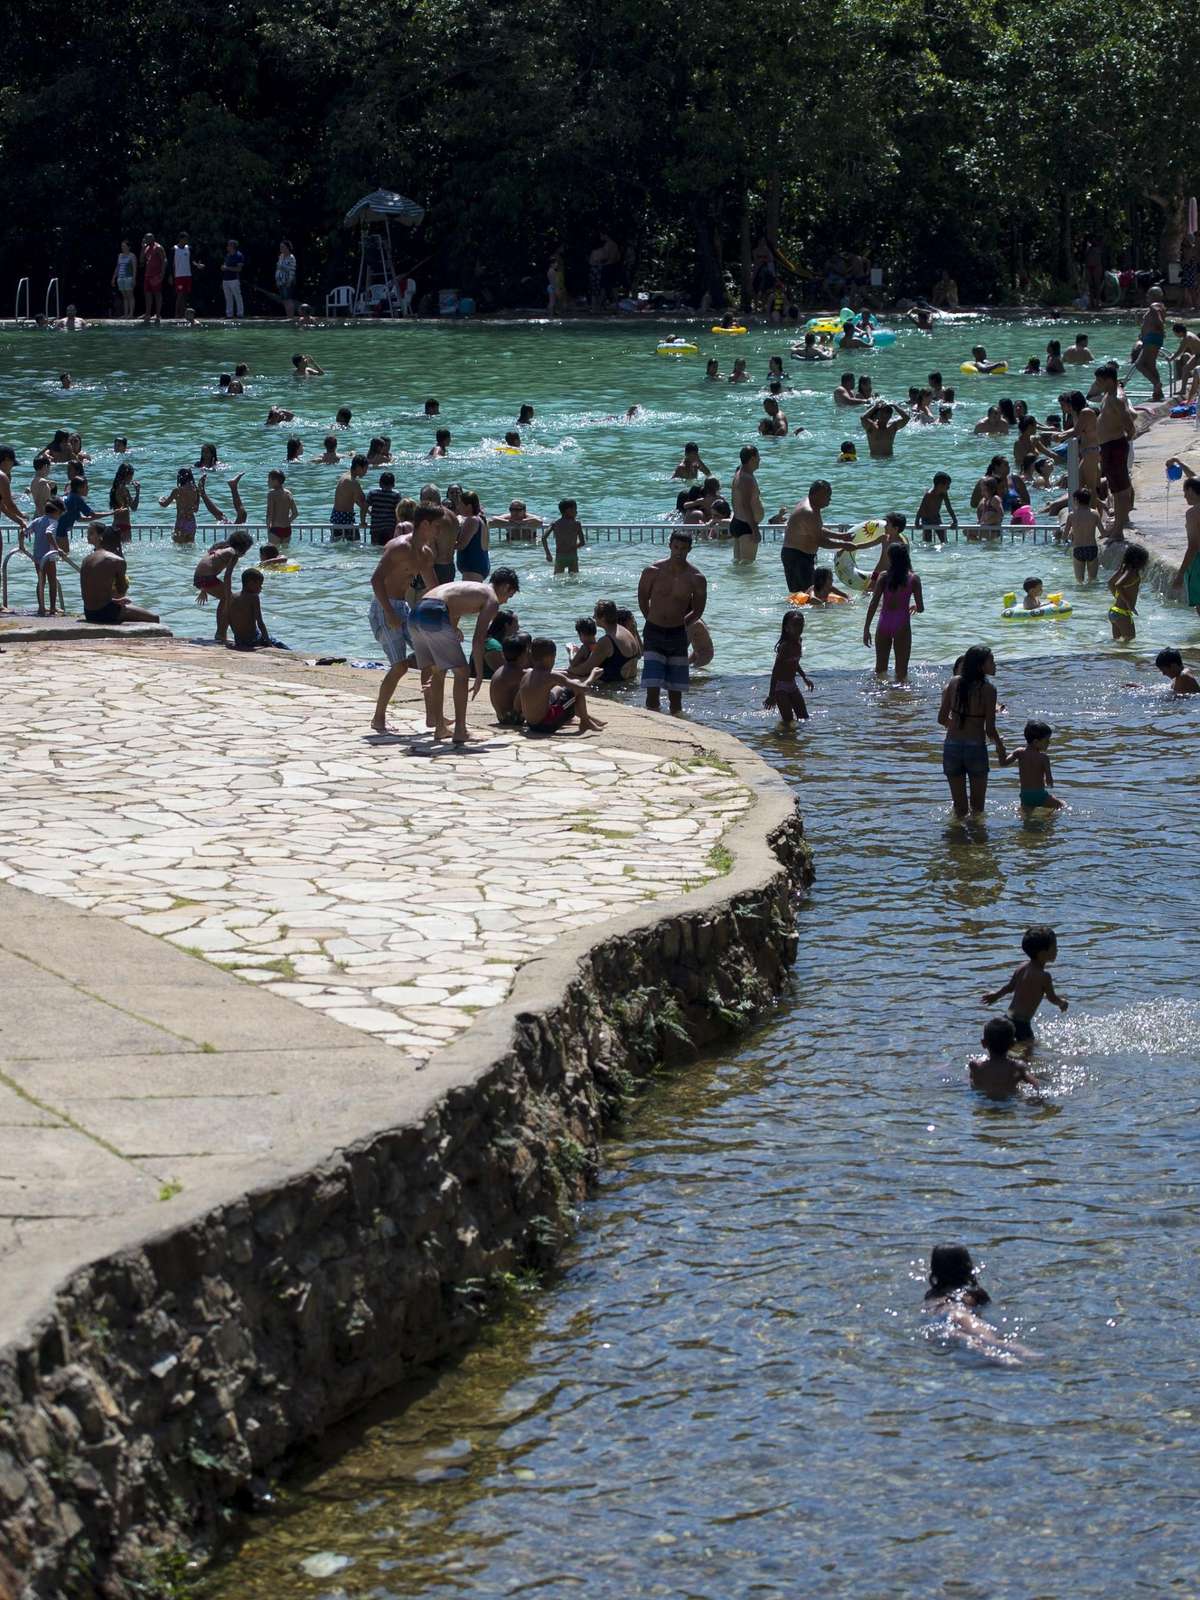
(281, 506)
(214, 575)
(435, 627)
(1189, 567)
(1170, 664)
(929, 512)
(997, 1074)
(348, 498)
(46, 551)
(505, 683)
(1031, 983)
(244, 613)
(1033, 768)
(567, 532)
(1082, 528)
(548, 699)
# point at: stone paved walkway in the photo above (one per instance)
(394, 886)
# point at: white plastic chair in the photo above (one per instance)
(339, 299)
(408, 287)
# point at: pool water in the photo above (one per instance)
(729, 1390)
(159, 388)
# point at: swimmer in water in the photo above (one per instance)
(997, 1074)
(1031, 983)
(1170, 664)
(955, 1296)
(691, 466)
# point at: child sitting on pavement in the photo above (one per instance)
(1030, 984)
(1033, 767)
(548, 699)
(997, 1074)
(243, 612)
(504, 685)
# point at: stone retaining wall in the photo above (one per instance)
(169, 1377)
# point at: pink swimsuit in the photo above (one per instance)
(893, 609)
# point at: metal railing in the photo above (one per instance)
(23, 284)
(655, 533)
(23, 550)
(52, 288)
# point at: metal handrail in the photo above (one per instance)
(53, 284)
(22, 283)
(23, 550)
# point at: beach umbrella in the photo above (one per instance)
(385, 205)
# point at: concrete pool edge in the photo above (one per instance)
(153, 1380)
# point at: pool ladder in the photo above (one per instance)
(20, 550)
(23, 298)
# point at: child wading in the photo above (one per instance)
(784, 693)
(897, 596)
(1033, 767)
(1031, 983)
(1124, 585)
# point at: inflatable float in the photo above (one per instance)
(804, 596)
(1053, 606)
(271, 566)
(677, 347)
(847, 574)
(997, 371)
(736, 329)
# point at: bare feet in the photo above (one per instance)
(441, 730)
(381, 725)
(235, 480)
(462, 736)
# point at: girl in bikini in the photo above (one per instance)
(897, 595)
(123, 498)
(1124, 585)
(784, 693)
(186, 499)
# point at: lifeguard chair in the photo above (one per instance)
(379, 292)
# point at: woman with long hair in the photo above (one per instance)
(968, 714)
(897, 597)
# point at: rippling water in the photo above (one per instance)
(159, 388)
(729, 1390)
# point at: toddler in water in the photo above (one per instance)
(1033, 766)
(955, 1295)
(1030, 983)
(1170, 664)
(1033, 594)
(847, 451)
(997, 1074)
(784, 693)
(1124, 585)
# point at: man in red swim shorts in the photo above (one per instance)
(1115, 427)
(154, 267)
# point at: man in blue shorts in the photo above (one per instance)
(672, 595)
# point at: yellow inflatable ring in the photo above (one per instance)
(737, 329)
(996, 371)
(680, 349)
(507, 450)
(292, 566)
(1053, 606)
(825, 327)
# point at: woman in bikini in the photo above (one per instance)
(185, 497)
(897, 596)
(123, 498)
(968, 714)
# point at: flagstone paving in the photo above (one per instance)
(394, 886)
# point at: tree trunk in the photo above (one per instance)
(774, 206)
(747, 257)
(708, 279)
(1065, 269)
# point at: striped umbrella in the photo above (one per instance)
(385, 205)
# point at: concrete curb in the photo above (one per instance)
(171, 1368)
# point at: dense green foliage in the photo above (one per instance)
(981, 135)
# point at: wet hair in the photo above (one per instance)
(1109, 370)
(1082, 339)
(358, 463)
(712, 365)
(586, 625)
(1077, 400)
(241, 370)
(542, 649)
(330, 442)
(1193, 484)
(442, 436)
(1136, 557)
(295, 448)
(847, 379)
(500, 624)
(515, 647)
(775, 387)
(125, 470)
(948, 392)
(506, 575)
(969, 670)
(1082, 497)
(1037, 939)
(1000, 462)
(1054, 347)
(431, 405)
(1164, 660)
(239, 541)
(822, 578)
(253, 577)
(297, 361)
(899, 566)
(793, 620)
(771, 406)
(606, 613)
(268, 552)
(55, 504)
(625, 617)
(999, 1035)
(184, 475)
(979, 351)
(567, 506)
(1031, 583)
(1037, 730)
(1007, 412)
(682, 535)
(276, 474)
(848, 447)
(746, 453)
(224, 380)
(898, 517)
(935, 377)
(691, 449)
(941, 477)
(40, 462)
(343, 416)
(820, 483)
(1034, 365)
(526, 408)
(513, 439)
(951, 1268)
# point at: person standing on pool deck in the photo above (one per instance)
(968, 714)
(1150, 342)
(672, 595)
(347, 498)
(1115, 427)
(154, 267)
(183, 273)
(1189, 567)
(747, 506)
(434, 627)
(231, 279)
(805, 534)
(405, 558)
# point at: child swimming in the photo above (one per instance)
(955, 1295)
(1030, 984)
(1170, 664)
(1033, 766)
(784, 695)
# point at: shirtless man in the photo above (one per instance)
(403, 558)
(775, 424)
(747, 506)
(851, 338)
(434, 625)
(691, 467)
(1150, 342)
(844, 394)
(101, 573)
(881, 423)
(1115, 427)
(672, 595)
(41, 487)
(805, 534)
(992, 423)
(1079, 355)
(8, 506)
(1186, 355)
(347, 496)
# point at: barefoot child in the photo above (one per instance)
(214, 575)
(1189, 567)
(1031, 983)
(567, 532)
(1033, 767)
(897, 597)
(281, 506)
(505, 683)
(1170, 664)
(1123, 586)
(547, 699)
(784, 693)
(929, 512)
(243, 612)
(1082, 528)
(997, 1074)
(46, 551)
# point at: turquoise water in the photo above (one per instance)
(159, 388)
(729, 1391)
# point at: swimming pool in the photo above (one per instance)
(159, 388)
